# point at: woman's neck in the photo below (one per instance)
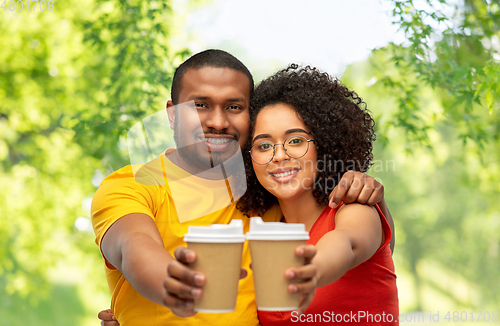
(301, 210)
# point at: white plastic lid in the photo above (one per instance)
(260, 230)
(216, 233)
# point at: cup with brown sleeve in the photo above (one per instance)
(218, 248)
(272, 248)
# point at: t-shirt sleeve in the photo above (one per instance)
(117, 197)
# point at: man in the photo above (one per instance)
(137, 224)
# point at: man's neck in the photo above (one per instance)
(210, 174)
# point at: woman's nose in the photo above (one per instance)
(280, 153)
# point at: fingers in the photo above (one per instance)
(107, 318)
(180, 297)
(185, 274)
(184, 255)
(109, 323)
(365, 190)
(303, 272)
(243, 273)
(341, 189)
(331, 198)
(303, 276)
(306, 287)
(305, 301)
(307, 251)
(306, 271)
(182, 284)
(357, 187)
(106, 315)
(173, 302)
(181, 290)
(378, 193)
(183, 312)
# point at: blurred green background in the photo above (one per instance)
(74, 80)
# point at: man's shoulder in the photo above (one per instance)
(130, 182)
(148, 174)
(122, 173)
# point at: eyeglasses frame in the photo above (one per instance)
(284, 149)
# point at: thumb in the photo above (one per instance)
(334, 201)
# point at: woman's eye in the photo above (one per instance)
(295, 141)
(265, 146)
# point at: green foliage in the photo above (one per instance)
(135, 65)
(61, 307)
(455, 50)
(44, 174)
(439, 125)
(73, 81)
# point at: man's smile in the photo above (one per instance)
(218, 142)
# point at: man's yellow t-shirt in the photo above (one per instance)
(148, 190)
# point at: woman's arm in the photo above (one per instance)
(361, 188)
(357, 236)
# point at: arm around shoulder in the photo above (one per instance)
(385, 210)
(357, 236)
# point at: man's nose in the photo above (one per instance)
(279, 153)
(217, 119)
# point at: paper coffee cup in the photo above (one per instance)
(272, 247)
(218, 248)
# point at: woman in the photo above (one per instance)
(307, 131)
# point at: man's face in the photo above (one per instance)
(212, 131)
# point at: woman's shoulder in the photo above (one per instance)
(354, 210)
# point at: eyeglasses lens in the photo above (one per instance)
(295, 147)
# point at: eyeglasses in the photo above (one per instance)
(294, 146)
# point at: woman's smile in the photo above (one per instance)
(284, 175)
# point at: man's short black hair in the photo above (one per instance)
(208, 58)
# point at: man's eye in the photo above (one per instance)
(235, 107)
(201, 105)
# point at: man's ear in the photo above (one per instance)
(171, 113)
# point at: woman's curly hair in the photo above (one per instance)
(341, 125)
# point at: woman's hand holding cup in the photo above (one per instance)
(304, 275)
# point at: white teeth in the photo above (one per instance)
(218, 140)
(284, 174)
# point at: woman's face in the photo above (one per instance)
(285, 177)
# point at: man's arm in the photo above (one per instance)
(388, 216)
(361, 188)
(134, 246)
